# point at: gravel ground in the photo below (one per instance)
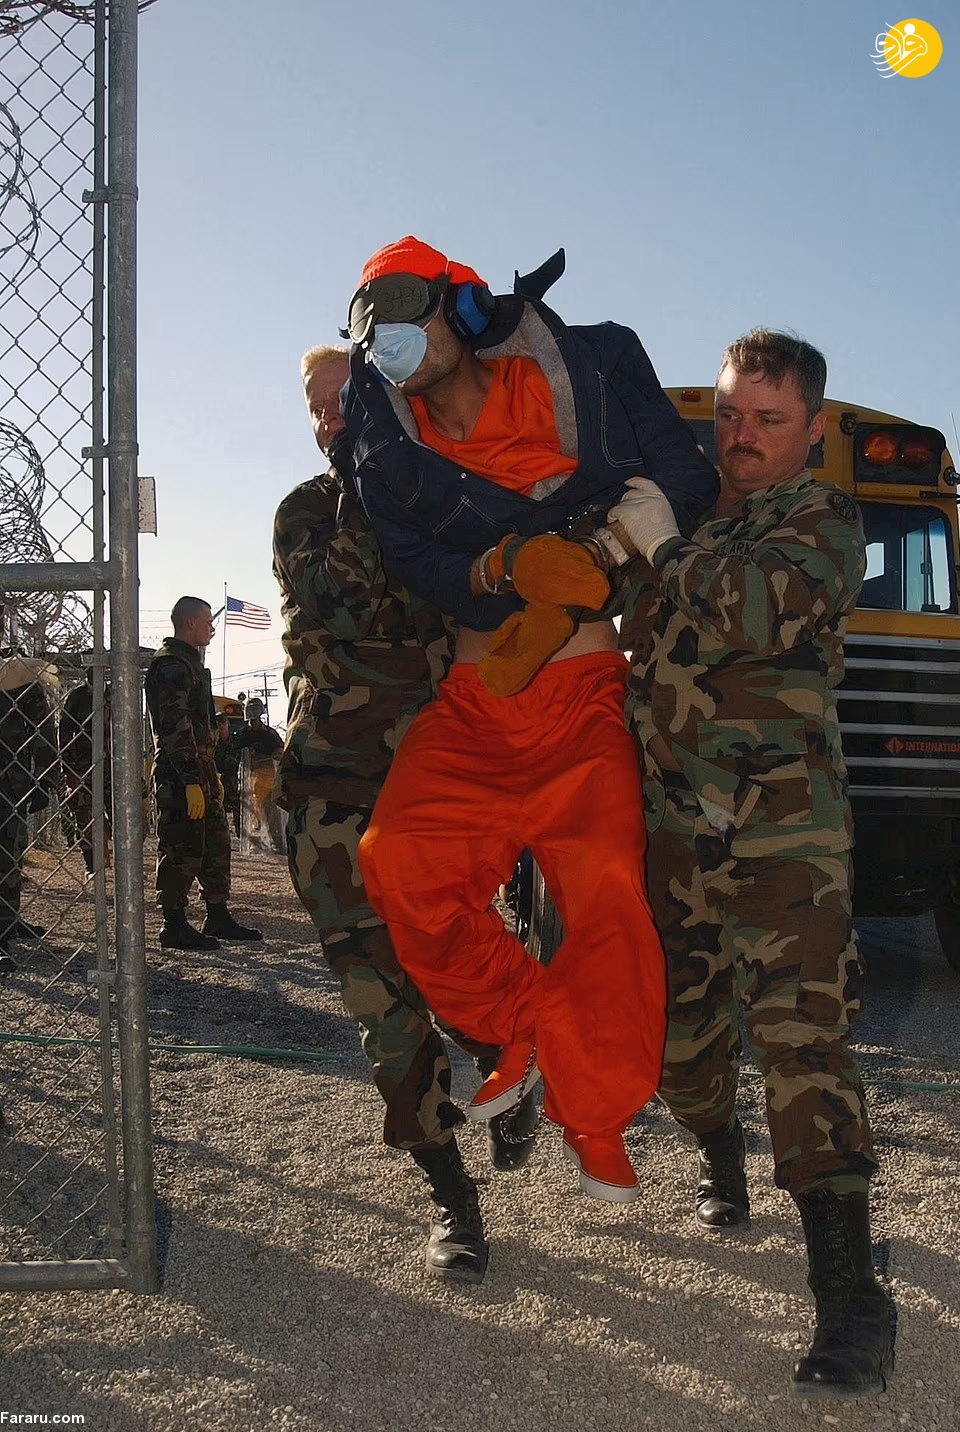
(291, 1241)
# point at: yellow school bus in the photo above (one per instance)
(230, 707)
(899, 704)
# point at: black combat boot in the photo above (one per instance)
(456, 1248)
(511, 1136)
(220, 922)
(179, 934)
(722, 1199)
(23, 930)
(852, 1353)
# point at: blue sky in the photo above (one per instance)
(706, 167)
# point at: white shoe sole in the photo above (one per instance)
(608, 1192)
(509, 1099)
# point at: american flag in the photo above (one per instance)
(246, 614)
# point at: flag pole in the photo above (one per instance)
(223, 674)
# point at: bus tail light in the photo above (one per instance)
(880, 449)
(916, 452)
(898, 453)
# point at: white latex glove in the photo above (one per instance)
(645, 516)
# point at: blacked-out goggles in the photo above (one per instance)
(393, 298)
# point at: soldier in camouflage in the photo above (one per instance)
(227, 761)
(262, 745)
(193, 842)
(76, 756)
(29, 770)
(363, 656)
(737, 641)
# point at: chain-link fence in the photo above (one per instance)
(76, 1196)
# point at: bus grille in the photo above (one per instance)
(899, 709)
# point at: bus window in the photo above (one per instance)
(909, 559)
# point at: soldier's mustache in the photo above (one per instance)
(741, 451)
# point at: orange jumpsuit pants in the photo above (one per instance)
(478, 777)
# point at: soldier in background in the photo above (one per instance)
(263, 745)
(76, 756)
(738, 649)
(363, 656)
(257, 736)
(193, 842)
(29, 770)
(227, 761)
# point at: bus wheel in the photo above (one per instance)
(545, 926)
(947, 919)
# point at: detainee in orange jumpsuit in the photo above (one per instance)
(480, 776)
(468, 789)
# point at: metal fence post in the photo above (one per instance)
(124, 628)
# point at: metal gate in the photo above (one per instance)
(76, 1182)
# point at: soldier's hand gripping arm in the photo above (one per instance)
(643, 519)
(805, 570)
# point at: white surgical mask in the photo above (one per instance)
(397, 350)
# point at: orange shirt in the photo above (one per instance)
(515, 442)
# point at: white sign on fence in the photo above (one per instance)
(147, 508)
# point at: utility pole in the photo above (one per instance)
(268, 691)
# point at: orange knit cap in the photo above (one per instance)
(412, 255)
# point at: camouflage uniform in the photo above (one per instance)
(28, 768)
(76, 755)
(227, 761)
(182, 715)
(737, 650)
(363, 656)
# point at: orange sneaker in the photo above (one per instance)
(605, 1170)
(515, 1074)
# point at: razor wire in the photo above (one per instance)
(46, 235)
(19, 215)
(39, 621)
(17, 15)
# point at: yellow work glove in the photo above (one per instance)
(551, 570)
(522, 645)
(196, 805)
(220, 787)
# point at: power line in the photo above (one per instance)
(257, 671)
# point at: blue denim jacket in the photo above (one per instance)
(433, 517)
